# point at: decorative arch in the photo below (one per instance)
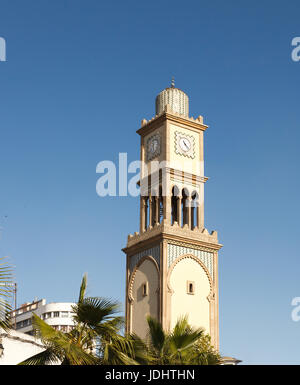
(132, 301)
(185, 191)
(211, 297)
(133, 274)
(174, 186)
(191, 256)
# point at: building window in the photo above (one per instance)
(145, 289)
(190, 287)
(56, 314)
(47, 315)
(64, 314)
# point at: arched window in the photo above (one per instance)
(194, 208)
(146, 211)
(161, 205)
(184, 206)
(153, 209)
(174, 205)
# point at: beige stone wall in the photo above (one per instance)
(142, 305)
(195, 306)
(181, 162)
(151, 165)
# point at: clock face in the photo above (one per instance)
(185, 144)
(153, 147)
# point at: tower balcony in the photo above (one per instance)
(167, 230)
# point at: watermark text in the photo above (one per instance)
(296, 50)
(2, 49)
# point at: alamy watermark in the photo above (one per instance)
(296, 311)
(296, 51)
(124, 179)
(2, 49)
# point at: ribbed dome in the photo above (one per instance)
(177, 99)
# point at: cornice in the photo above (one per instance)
(164, 231)
(148, 126)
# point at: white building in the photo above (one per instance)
(15, 347)
(56, 314)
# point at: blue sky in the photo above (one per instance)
(80, 76)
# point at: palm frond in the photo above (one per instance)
(156, 334)
(6, 290)
(142, 353)
(109, 328)
(118, 350)
(94, 310)
(82, 289)
(61, 345)
(183, 337)
(47, 357)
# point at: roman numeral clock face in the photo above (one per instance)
(184, 144)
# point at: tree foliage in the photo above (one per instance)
(5, 294)
(96, 339)
(184, 345)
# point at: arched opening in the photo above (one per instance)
(194, 208)
(153, 209)
(146, 208)
(161, 205)
(184, 207)
(174, 205)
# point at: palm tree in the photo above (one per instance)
(94, 340)
(5, 294)
(96, 320)
(184, 345)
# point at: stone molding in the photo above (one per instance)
(164, 228)
(153, 251)
(191, 122)
(188, 249)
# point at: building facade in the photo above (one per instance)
(172, 262)
(56, 314)
(16, 347)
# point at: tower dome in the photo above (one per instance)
(177, 100)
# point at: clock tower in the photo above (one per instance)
(172, 262)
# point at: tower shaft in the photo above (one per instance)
(172, 262)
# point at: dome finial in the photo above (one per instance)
(173, 97)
